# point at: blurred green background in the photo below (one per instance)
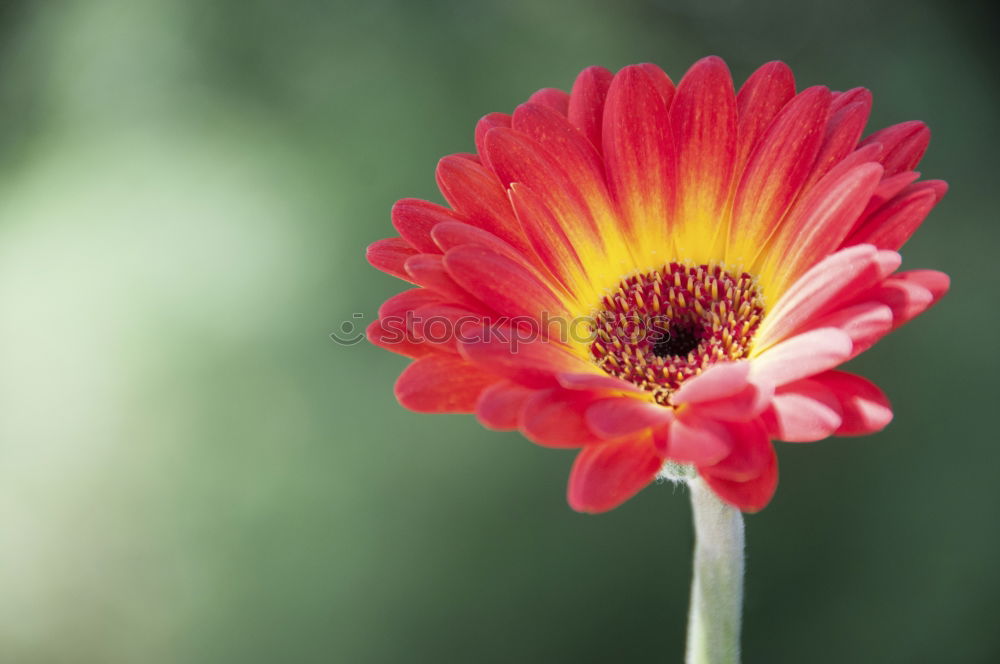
(191, 471)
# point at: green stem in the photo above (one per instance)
(713, 635)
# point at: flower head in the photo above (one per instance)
(662, 273)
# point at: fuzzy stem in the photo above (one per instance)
(713, 635)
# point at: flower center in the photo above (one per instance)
(660, 328)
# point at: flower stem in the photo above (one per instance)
(713, 635)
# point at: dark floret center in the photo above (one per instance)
(659, 328)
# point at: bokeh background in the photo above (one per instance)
(191, 471)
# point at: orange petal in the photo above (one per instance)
(776, 172)
(703, 120)
(639, 153)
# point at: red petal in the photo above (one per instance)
(750, 454)
(499, 405)
(399, 304)
(564, 143)
(820, 221)
(483, 127)
(624, 416)
(444, 325)
(506, 286)
(390, 256)
(904, 144)
(586, 102)
(852, 96)
(533, 363)
(554, 98)
(864, 408)
(451, 234)
(703, 119)
(842, 134)
(556, 418)
(441, 384)
(478, 195)
(764, 94)
(891, 226)
(605, 476)
(428, 270)
(394, 337)
(414, 220)
(776, 172)
(749, 496)
(661, 81)
(887, 189)
(518, 159)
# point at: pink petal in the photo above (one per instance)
(803, 412)
(802, 356)
(698, 440)
(864, 323)
(742, 406)
(828, 284)
(908, 294)
(717, 381)
(597, 382)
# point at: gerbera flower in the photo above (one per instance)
(726, 251)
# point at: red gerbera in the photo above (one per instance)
(725, 251)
